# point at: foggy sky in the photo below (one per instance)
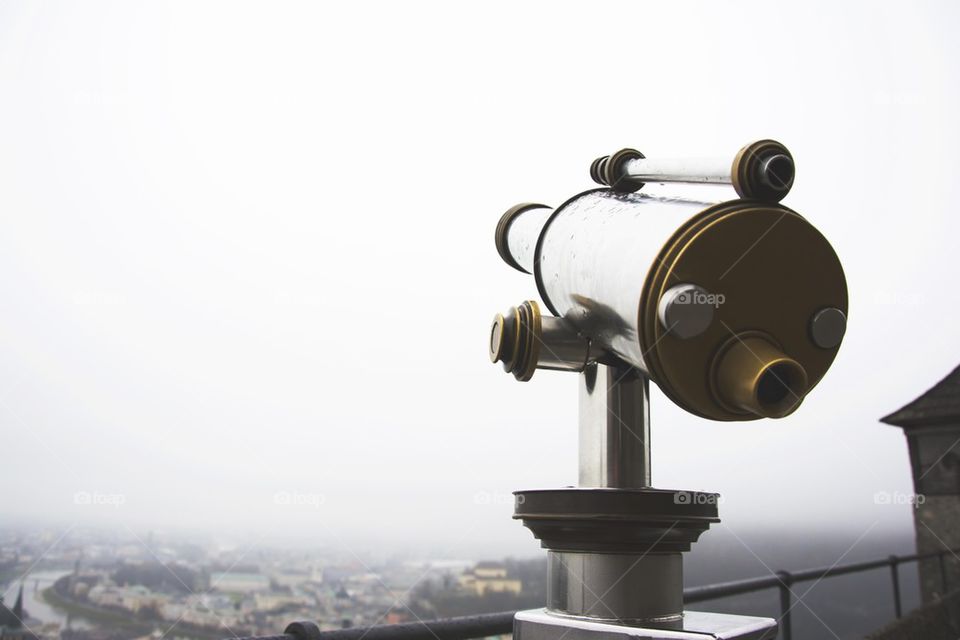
(247, 251)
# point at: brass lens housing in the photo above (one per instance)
(515, 340)
(752, 374)
(757, 359)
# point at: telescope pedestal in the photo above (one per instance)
(540, 624)
(615, 564)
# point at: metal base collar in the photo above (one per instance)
(623, 588)
(538, 624)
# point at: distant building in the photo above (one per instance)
(489, 577)
(931, 424)
(269, 602)
(239, 582)
(293, 578)
(133, 598)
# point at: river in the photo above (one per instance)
(36, 607)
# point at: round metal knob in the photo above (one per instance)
(827, 327)
(686, 310)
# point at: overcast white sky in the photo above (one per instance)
(247, 249)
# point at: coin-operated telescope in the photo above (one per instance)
(734, 309)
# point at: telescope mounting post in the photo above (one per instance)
(614, 544)
(614, 427)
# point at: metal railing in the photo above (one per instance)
(495, 624)
(784, 580)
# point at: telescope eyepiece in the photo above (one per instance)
(776, 172)
(525, 340)
(752, 375)
(763, 170)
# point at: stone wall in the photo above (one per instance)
(938, 620)
(937, 523)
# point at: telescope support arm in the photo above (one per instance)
(614, 427)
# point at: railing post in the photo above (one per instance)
(785, 604)
(895, 577)
(943, 574)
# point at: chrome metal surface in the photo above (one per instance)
(563, 349)
(606, 263)
(827, 327)
(692, 170)
(614, 412)
(686, 310)
(523, 233)
(539, 624)
(594, 257)
(624, 588)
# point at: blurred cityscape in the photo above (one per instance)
(85, 585)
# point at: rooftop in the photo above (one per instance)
(938, 405)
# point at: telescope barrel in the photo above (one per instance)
(735, 309)
(524, 221)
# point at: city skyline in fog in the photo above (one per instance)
(248, 266)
